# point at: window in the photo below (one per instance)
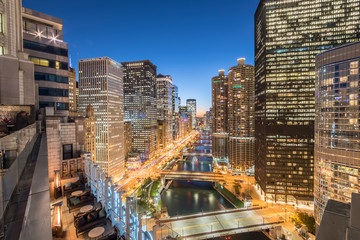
(40, 61)
(49, 63)
(50, 77)
(62, 106)
(1, 24)
(1, 50)
(56, 92)
(67, 151)
(45, 48)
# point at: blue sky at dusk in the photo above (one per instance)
(188, 39)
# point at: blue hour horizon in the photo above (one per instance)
(190, 42)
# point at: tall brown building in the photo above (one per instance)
(72, 90)
(241, 126)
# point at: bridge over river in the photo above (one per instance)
(194, 176)
(214, 224)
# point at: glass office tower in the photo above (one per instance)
(337, 132)
(141, 106)
(288, 36)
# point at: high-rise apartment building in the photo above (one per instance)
(288, 36)
(72, 90)
(191, 107)
(43, 41)
(337, 132)
(220, 116)
(164, 90)
(241, 126)
(101, 86)
(141, 106)
(220, 102)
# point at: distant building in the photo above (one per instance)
(241, 125)
(288, 36)
(77, 96)
(175, 109)
(337, 132)
(219, 85)
(72, 90)
(191, 107)
(101, 86)
(90, 132)
(43, 41)
(164, 89)
(141, 106)
(127, 139)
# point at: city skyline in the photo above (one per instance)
(185, 32)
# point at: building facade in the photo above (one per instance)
(43, 41)
(164, 93)
(141, 106)
(191, 107)
(241, 125)
(220, 116)
(90, 132)
(288, 36)
(337, 132)
(72, 90)
(17, 85)
(101, 86)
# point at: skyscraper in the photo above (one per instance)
(337, 132)
(241, 125)
(288, 36)
(72, 90)
(43, 41)
(220, 116)
(191, 107)
(175, 110)
(164, 89)
(101, 86)
(141, 106)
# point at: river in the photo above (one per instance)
(189, 197)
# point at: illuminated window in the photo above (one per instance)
(354, 71)
(39, 61)
(354, 64)
(57, 65)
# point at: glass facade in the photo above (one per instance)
(141, 106)
(191, 107)
(164, 90)
(288, 36)
(337, 126)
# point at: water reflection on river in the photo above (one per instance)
(183, 198)
(197, 164)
